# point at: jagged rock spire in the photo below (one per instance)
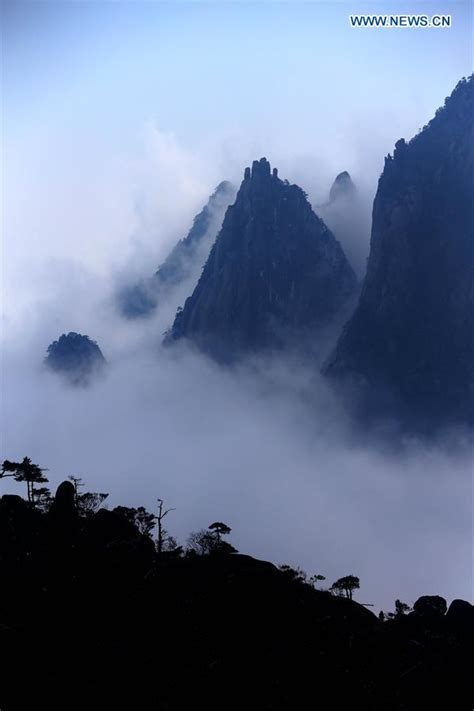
(275, 274)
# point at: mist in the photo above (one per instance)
(265, 446)
(119, 124)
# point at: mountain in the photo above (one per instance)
(347, 215)
(409, 347)
(188, 255)
(275, 275)
(342, 187)
(76, 357)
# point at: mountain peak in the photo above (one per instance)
(342, 187)
(275, 274)
(260, 170)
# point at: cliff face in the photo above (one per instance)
(410, 343)
(76, 357)
(188, 254)
(274, 273)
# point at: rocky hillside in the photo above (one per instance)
(409, 347)
(188, 255)
(275, 275)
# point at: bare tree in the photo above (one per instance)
(89, 502)
(161, 533)
(77, 483)
(201, 542)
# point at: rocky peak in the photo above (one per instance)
(342, 187)
(275, 271)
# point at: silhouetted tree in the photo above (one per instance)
(139, 517)
(145, 521)
(77, 483)
(295, 574)
(200, 542)
(25, 471)
(42, 498)
(219, 529)
(300, 576)
(315, 579)
(345, 586)
(169, 545)
(89, 502)
(163, 540)
(401, 608)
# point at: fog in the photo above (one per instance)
(264, 447)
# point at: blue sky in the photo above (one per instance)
(197, 67)
(120, 117)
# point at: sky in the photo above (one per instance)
(119, 119)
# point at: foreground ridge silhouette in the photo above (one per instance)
(92, 616)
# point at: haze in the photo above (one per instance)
(119, 121)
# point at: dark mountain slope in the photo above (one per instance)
(409, 347)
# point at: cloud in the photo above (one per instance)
(264, 447)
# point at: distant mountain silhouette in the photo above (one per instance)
(141, 299)
(275, 275)
(76, 357)
(345, 212)
(342, 187)
(409, 347)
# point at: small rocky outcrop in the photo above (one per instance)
(76, 357)
(430, 606)
(460, 615)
